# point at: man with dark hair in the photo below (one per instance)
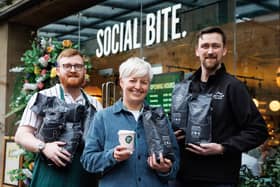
(55, 166)
(211, 153)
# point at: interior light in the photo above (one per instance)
(278, 77)
(93, 91)
(274, 105)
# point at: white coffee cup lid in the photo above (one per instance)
(126, 132)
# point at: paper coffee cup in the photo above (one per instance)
(126, 138)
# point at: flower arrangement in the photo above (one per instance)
(37, 72)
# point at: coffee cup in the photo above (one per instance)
(126, 138)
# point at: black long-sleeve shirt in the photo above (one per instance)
(237, 125)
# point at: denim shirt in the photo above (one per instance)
(101, 140)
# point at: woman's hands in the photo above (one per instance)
(164, 165)
(121, 153)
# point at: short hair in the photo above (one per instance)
(137, 67)
(69, 53)
(211, 29)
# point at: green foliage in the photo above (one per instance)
(28, 157)
(270, 171)
(17, 174)
(247, 179)
(271, 167)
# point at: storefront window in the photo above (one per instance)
(163, 32)
(258, 58)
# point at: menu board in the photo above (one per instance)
(160, 92)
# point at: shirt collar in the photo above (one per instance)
(119, 106)
(196, 76)
(69, 99)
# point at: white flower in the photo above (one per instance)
(27, 173)
(16, 152)
(50, 41)
(41, 79)
(29, 86)
(16, 69)
(43, 61)
(43, 43)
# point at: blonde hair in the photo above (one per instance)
(137, 67)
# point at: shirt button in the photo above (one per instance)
(139, 157)
(138, 135)
(139, 179)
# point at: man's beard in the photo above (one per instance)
(211, 66)
(72, 81)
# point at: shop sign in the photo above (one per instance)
(124, 36)
(160, 92)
